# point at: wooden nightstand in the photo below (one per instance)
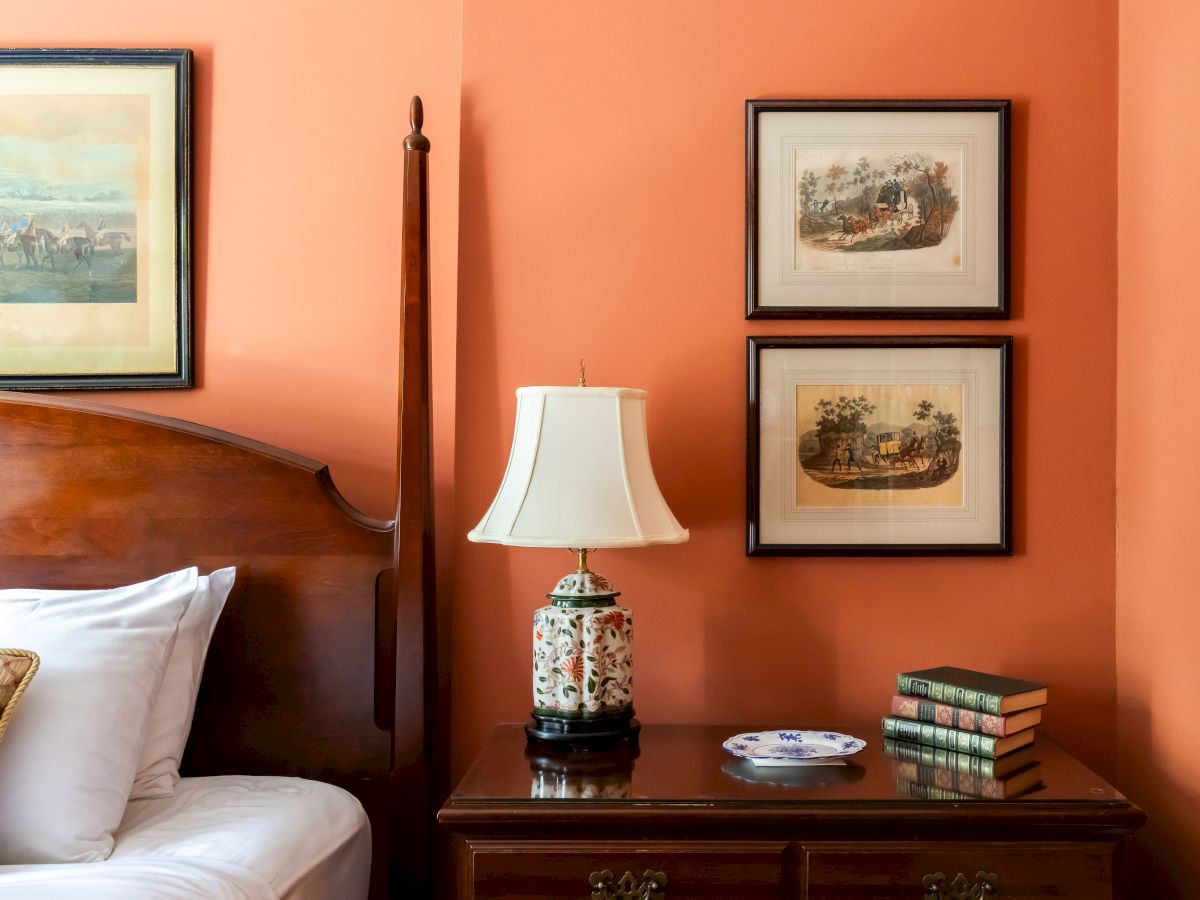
(685, 819)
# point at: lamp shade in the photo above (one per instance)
(579, 474)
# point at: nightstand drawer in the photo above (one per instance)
(565, 870)
(909, 871)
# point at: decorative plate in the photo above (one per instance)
(793, 745)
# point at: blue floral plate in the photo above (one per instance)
(782, 747)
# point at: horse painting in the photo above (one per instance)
(115, 241)
(51, 246)
(27, 242)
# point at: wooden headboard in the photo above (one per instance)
(322, 664)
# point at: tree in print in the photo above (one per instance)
(927, 180)
(806, 189)
(843, 421)
(867, 179)
(833, 181)
(943, 434)
(846, 416)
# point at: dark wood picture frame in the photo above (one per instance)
(87, 243)
(973, 378)
(948, 282)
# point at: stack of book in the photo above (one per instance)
(958, 734)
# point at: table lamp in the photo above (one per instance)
(579, 477)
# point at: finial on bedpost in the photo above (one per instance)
(416, 115)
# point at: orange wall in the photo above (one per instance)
(299, 115)
(601, 202)
(1158, 509)
(601, 197)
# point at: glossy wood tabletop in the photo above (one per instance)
(686, 764)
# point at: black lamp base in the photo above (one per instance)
(599, 733)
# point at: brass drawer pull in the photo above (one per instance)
(652, 887)
(987, 884)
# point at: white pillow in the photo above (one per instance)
(70, 757)
(171, 714)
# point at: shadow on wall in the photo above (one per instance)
(481, 424)
(475, 414)
(1159, 854)
(202, 119)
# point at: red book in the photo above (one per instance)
(947, 716)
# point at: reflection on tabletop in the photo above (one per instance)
(929, 773)
(794, 776)
(558, 773)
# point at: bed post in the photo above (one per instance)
(415, 672)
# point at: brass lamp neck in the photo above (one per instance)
(583, 587)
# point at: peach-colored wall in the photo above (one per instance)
(601, 217)
(601, 198)
(1158, 507)
(299, 115)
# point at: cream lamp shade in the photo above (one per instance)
(579, 474)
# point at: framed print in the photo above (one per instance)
(877, 209)
(879, 446)
(95, 274)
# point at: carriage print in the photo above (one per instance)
(72, 170)
(873, 201)
(887, 446)
(879, 438)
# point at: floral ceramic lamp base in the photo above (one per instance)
(583, 666)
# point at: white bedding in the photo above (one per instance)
(229, 836)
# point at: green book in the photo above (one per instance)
(967, 689)
(952, 739)
(964, 763)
